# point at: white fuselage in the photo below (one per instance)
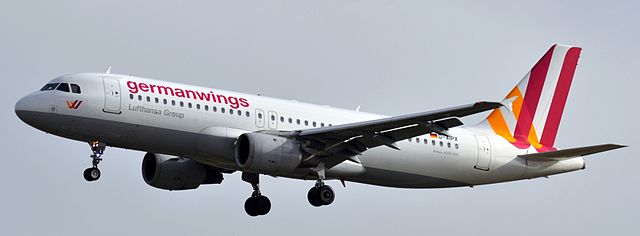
(139, 119)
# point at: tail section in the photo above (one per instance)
(538, 101)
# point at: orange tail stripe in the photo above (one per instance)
(499, 125)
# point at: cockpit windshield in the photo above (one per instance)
(64, 87)
(49, 87)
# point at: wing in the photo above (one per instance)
(335, 144)
(570, 153)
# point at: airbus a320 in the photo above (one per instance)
(194, 135)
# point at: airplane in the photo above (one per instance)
(194, 135)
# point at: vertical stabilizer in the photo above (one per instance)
(537, 101)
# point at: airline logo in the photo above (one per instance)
(538, 101)
(74, 105)
(234, 102)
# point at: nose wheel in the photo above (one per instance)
(97, 149)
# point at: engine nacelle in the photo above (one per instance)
(176, 173)
(267, 154)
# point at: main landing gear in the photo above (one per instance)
(257, 204)
(97, 148)
(321, 194)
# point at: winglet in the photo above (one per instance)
(508, 103)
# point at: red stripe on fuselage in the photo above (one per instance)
(531, 99)
(560, 97)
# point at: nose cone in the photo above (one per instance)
(25, 109)
(21, 108)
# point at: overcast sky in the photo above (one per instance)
(390, 57)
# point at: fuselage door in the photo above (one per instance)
(259, 118)
(484, 153)
(111, 95)
(273, 120)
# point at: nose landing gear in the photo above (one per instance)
(97, 148)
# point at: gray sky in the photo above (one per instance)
(391, 57)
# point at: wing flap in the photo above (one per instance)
(570, 153)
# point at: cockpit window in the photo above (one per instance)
(75, 88)
(49, 87)
(63, 87)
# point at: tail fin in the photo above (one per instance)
(537, 101)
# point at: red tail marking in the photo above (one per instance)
(560, 97)
(531, 99)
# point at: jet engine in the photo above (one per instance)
(267, 154)
(177, 173)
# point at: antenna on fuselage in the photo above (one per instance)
(108, 70)
(358, 108)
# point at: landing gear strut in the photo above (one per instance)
(97, 148)
(321, 194)
(257, 204)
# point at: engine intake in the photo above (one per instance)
(176, 173)
(267, 154)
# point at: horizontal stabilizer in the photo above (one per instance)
(570, 153)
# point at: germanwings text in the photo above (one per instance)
(234, 102)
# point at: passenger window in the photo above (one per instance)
(239, 113)
(139, 97)
(222, 110)
(173, 102)
(290, 120)
(231, 111)
(49, 87)
(273, 117)
(190, 106)
(306, 123)
(206, 107)
(131, 96)
(75, 88)
(449, 145)
(214, 109)
(321, 124)
(409, 139)
(181, 104)
(457, 146)
(441, 144)
(164, 101)
(314, 124)
(282, 119)
(433, 142)
(198, 106)
(148, 99)
(63, 87)
(247, 114)
(157, 100)
(297, 121)
(426, 141)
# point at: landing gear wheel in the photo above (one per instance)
(91, 174)
(321, 195)
(312, 196)
(257, 205)
(326, 195)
